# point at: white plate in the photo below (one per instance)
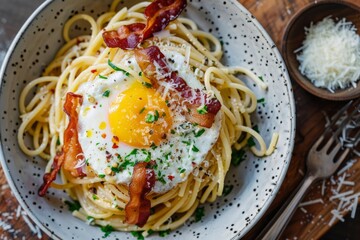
(256, 181)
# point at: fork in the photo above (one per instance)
(320, 165)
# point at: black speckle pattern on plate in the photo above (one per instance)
(255, 182)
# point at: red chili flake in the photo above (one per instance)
(103, 135)
(94, 71)
(115, 146)
(52, 90)
(171, 177)
(115, 139)
(193, 163)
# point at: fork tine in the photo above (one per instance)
(334, 135)
(342, 157)
(329, 143)
(317, 143)
(335, 150)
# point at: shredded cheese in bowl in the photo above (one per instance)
(330, 55)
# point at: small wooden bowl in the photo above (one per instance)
(294, 36)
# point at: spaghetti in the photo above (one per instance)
(44, 120)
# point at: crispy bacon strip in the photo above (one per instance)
(137, 211)
(149, 58)
(72, 148)
(51, 176)
(126, 37)
(71, 151)
(158, 14)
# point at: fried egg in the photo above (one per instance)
(123, 121)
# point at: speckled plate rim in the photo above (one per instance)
(6, 171)
(287, 158)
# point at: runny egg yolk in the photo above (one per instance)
(139, 116)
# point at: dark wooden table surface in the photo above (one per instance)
(273, 15)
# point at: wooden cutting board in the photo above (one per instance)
(273, 15)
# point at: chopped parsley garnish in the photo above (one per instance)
(94, 197)
(147, 85)
(148, 155)
(164, 233)
(142, 110)
(106, 93)
(153, 146)
(200, 132)
(186, 143)
(102, 77)
(181, 170)
(202, 109)
(261, 78)
(237, 156)
(90, 219)
(101, 175)
(172, 131)
(140, 74)
(227, 189)
(58, 142)
(122, 166)
(262, 101)
(167, 156)
(106, 230)
(199, 213)
(73, 206)
(195, 149)
(150, 118)
(251, 142)
(256, 128)
(133, 152)
(117, 68)
(161, 178)
(138, 235)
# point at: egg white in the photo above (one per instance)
(177, 156)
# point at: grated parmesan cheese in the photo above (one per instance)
(330, 55)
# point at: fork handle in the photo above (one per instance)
(277, 225)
